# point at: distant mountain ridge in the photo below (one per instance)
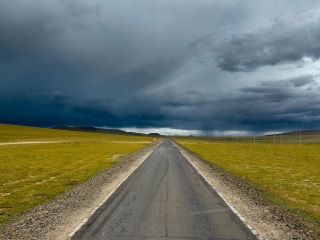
(118, 131)
(102, 130)
(303, 132)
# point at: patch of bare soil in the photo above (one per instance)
(270, 221)
(58, 218)
(21, 143)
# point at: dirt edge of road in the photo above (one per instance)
(57, 218)
(270, 221)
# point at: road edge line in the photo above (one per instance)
(76, 229)
(245, 222)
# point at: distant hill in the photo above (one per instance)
(102, 130)
(303, 132)
(154, 134)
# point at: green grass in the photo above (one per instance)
(278, 139)
(288, 174)
(31, 174)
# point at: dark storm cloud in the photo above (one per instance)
(273, 105)
(302, 81)
(92, 36)
(55, 109)
(279, 90)
(270, 106)
(136, 64)
(290, 38)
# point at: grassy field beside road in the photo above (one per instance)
(48, 162)
(287, 174)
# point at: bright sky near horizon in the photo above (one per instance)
(183, 66)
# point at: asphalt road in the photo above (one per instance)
(165, 198)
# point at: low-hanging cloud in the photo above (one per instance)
(271, 105)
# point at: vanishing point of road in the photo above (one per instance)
(165, 198)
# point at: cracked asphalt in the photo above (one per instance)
(165, 198)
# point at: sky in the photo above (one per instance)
(175, 66)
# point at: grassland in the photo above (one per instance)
(287, 174)
(31, 174)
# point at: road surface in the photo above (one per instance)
(165, 198)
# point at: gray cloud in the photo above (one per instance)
(136, 64)
(302, 81)
(271, 105)
(290, 38)
(268, 106)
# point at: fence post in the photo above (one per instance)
(300, 138)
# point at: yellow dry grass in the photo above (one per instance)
(288, 174)
(31, 174)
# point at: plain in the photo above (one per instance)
(287, 174)
(43, 163)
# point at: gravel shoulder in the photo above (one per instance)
(270, 221)
(57, 218)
